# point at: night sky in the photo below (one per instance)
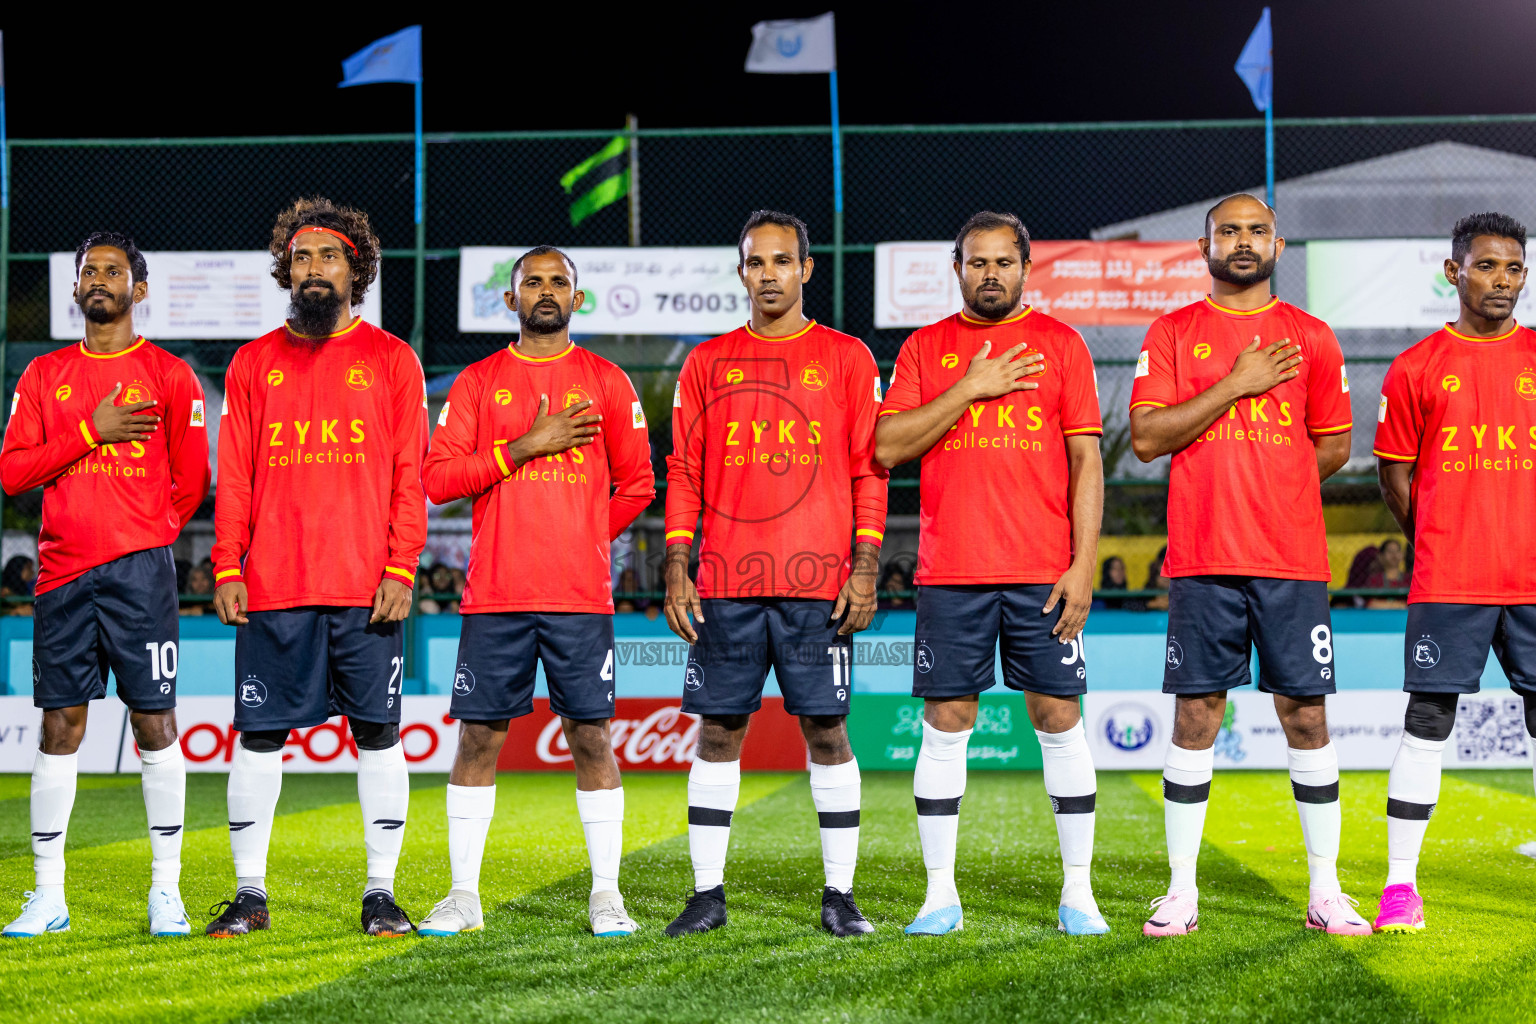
(118, 73)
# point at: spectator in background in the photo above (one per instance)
(895, 579)
(459, 579)
(1360, 570)
(1388, 570)
(17, 580)
(182, 568)
(1113, 577)
(199, 582)
(629, 583)
(623, 606)
(1157, 581)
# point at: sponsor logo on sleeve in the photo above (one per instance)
(677, 396)
(1144, 364)
(636, 416)
(1343, 379)
(1381, 410)
(15, 401)
(198, 419)
(224, 409)
(442, 417)
(877, 387)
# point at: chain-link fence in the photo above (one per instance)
(1399, 177)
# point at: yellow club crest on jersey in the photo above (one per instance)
(359, 377)
(1525, 384)
(63, 393)
(138, 391)
(274, 378)
(574, 395)
(813, 377)
(1450, 382)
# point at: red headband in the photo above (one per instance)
(320, 230)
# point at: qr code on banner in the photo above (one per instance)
(1491, 729)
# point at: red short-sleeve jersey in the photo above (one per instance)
(1244, 498)
(1463, 411)
(1003, 467)
(541, 530)
(773, 443)
(103, 501)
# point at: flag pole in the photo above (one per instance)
(5, 231)
(1269, 123)
(837, 207)
(419, 314)
(632, 128)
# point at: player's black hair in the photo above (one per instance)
(136, 263)
(543, 250)
(1499, 225)
(783, 220)
(990, 220)
(1210, 215)
(317, 211)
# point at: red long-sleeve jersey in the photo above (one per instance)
(104, 501)
(320, 451)
(773, 440)
(541, 531)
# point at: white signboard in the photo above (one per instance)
(914, 283)
(629, 291)
(192, 295)
(1393, 282)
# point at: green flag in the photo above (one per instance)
(606, 177)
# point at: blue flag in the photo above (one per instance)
(395, 58)
(1256, 66)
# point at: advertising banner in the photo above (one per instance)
(886, 731)
(1083, 283)
(192, 295)
(1386, 282)
(628, 290)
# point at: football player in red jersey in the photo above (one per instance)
(113, 430)
(551, 489)
(1456, 440)
(773, 438)
(320, 520)
(1250, 396)
(1004, 440)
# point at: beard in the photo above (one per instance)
(543, 318)
(996, 305)
(314, 313)
(1222, 270)
(107, 312)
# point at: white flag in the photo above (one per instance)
(803, 47)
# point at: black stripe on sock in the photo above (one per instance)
(1073, 804)
(1407, 811)
(838, 819)
(1182, 794)
(1328, 794)
(709, 816)
(931, 806)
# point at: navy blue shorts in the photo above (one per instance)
(499, 654)
(296, 667)
(121, 615)
(958, 629)
(739, 641)
(1446, 646)
(1214, 622)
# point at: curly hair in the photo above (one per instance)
(321, 212)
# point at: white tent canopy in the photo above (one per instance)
(1415, 193)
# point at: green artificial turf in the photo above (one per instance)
(1251, 960)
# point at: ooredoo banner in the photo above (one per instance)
(1083, 283)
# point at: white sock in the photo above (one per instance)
(938, 784)
(835, 791)
(384, 791)
(255, 780)
(1315, 784)
(1072, 786)
(1186, 793)
(470, 809)
(165, 802)
(1413, 787)
(713, 789)
(602, 819)
(53, 797)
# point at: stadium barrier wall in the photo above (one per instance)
(1128, 717)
